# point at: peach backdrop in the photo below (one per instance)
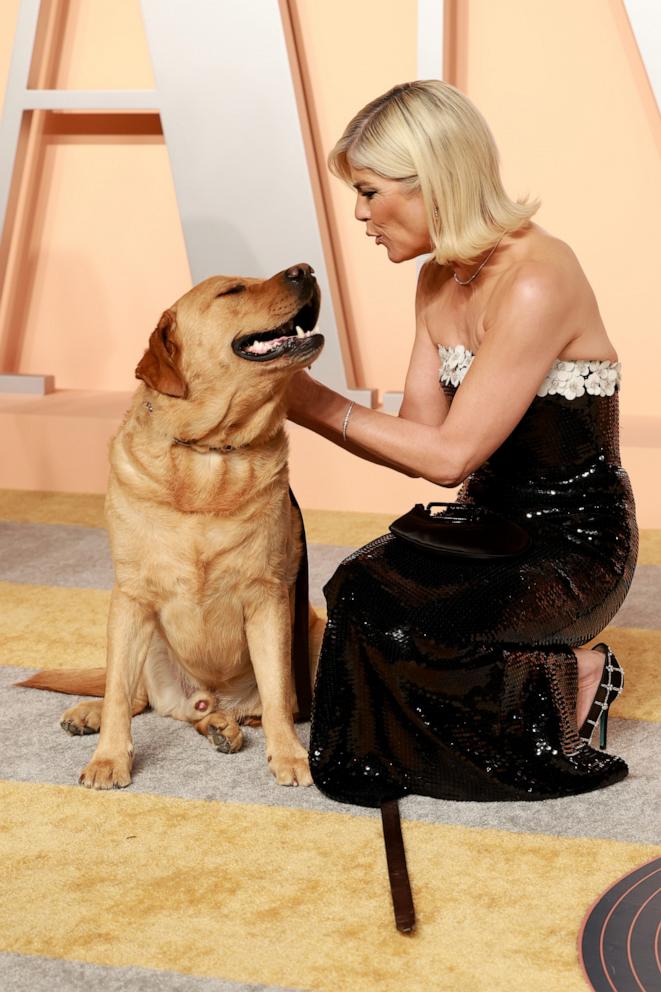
(99, 250)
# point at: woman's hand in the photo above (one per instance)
(303, 394)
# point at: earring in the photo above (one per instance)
(436, 214)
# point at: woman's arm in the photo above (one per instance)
(299, 389)
(535, 323)
(410, 448)
(320, 409)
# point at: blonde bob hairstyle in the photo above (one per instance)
(430, 137)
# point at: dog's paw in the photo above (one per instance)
(83, 718)
(106, 773)
(290, 767)
(222, 731)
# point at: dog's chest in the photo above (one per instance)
(196, 559)
(207, 638)
(201, 606)
(202, 579)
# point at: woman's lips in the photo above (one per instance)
(379, 239)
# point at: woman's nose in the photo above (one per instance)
(361, 212)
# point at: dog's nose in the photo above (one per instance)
(297, 273)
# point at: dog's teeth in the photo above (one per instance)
(300, 332)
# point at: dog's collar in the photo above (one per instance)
(224, 449)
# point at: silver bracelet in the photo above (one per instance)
(346, 421)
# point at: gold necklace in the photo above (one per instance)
(465, 283)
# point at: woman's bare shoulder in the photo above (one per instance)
(550, 269)
(542, 253)
(541, 265)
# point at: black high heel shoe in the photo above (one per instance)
(610, 687)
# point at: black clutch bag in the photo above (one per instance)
(464, 529)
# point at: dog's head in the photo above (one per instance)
(230, 331)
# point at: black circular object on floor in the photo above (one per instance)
(619, 943)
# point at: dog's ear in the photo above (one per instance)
(159, 366)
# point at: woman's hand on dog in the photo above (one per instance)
(304, 395)
(315, 406)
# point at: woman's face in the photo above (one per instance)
(395, 218)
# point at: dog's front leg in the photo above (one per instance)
(268, 632)
(130, 627)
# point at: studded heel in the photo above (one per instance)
(610, 687)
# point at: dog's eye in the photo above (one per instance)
(233, 289)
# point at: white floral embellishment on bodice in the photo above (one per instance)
(566, 378)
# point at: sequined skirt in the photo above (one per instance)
(456, 678)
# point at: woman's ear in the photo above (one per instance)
(159, 366)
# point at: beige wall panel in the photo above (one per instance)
(104, 47)
(555, 82)
(562, 87)
(107, 258)
(352, 54)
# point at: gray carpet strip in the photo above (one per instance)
(20, 973)
(79, 557)
(173, 760)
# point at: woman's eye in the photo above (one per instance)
(369, 193)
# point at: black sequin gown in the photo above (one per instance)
(455, 678)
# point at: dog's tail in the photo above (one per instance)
(76, 681)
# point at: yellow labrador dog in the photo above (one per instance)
(205, 541)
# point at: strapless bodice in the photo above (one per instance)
(570, 379)
(572, 421)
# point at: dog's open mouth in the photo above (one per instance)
(296, 337)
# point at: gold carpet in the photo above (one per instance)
(289, 897)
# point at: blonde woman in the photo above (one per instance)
(471, 679)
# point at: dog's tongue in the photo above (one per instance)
(261, 347)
